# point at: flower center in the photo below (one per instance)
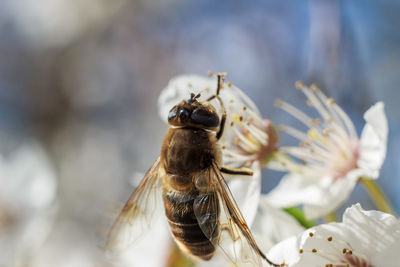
(354, 261)
(255, 139)
(343, 161)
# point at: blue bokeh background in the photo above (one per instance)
(84, 78)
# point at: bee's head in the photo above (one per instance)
(192, 113)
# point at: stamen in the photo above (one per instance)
(301, 116)
(317, 104)
(246, 140)
(247, 101)
(302, 153)
(258, 134)
(293, 132)
(348, 123)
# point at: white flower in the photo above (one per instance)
(247, 137)
(331, 156)
(363, 239)
(272, 225)
(27, 204)
(269, 227)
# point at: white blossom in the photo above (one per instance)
(247, 136)
(331, 157)
(363, 239)
(27, 203)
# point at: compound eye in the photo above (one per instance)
(172, 113)
(205, 118)
(183, 114)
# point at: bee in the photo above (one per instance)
(201, 211)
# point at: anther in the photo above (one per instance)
(317, 121)
(310, 234)
(231, 123)
(241, 118)
(229, 84)
(300, 251)
(314, 87)
(244, 108)
(330, 101)
(299, 84)
(223, 147)
(344, 250)
(209, 73)
(314, 250)
(278, 103)
(329, 265)
(330, 239)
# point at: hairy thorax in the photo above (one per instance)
(188, 153)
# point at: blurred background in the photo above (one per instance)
(79, 83)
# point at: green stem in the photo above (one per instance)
(299, 216)
(377, 195)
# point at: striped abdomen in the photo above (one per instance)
(184, 226)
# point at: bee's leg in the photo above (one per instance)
(228, 227)
(241, 171)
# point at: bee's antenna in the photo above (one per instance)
(193, 97)
(221, 80)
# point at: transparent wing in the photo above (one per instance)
(136, 216)
(229, 232)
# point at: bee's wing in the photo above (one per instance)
(234, 239)
(135, 217)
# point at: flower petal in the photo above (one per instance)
(370, 238)
(272, 225)
(246, 191)
(180, 87)
(334, 194)
(293, 190)
(286, 251)
(373, 140)
(373, 227)
(319, 196)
